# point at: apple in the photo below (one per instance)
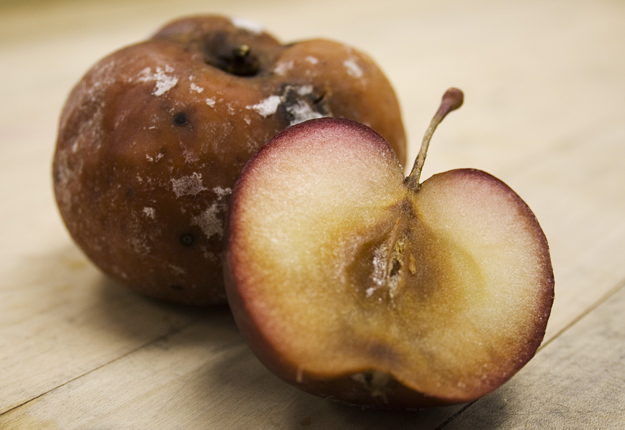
(352, 282)
(153, 137)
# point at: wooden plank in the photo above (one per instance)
(578, 193)
(602, 267)
(202, 377)
(55, 331)
(576, 382)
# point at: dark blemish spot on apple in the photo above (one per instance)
(396, 268)
(130, 193)
(176, 287)
(382, 352)
(186, 239)
(297, 106)
(322, 104)
(180, 119)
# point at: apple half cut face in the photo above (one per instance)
(351, 282)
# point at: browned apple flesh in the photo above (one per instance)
(349, 284)
(153, 138)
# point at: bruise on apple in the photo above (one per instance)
(154, 136)
(349, 284)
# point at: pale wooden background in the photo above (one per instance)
(544, 111)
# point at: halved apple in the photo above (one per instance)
(352, 282)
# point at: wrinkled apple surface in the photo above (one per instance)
(153, 138)
(348, 284)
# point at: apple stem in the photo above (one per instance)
(452, 100)
(241, 51)
(242, 62)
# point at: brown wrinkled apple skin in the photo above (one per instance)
(153, 138)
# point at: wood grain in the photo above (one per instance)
(543, 111)
(584, 363)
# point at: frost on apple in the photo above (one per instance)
(353, 69)
(248, 25)
(188, 185)
(163, 81)
(301, 111)
(210, 220)
(149, 212)
(283, 67)
(298, 103)
(266, 107)
(196, 88)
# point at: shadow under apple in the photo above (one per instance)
(216, 368)
(264, 401)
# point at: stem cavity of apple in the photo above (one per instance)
(243, 63)
(452, 100)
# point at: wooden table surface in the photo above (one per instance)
(544, 111)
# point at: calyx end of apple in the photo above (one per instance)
(452, 100)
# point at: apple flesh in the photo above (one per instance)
(153, 138)
(352, 282)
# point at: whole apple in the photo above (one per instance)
(352, 282)
(154, 136)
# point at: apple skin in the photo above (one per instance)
(353, 366)
(154, 136)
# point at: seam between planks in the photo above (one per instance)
(132, 351)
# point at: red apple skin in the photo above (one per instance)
(153, 137)
(266, 343)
